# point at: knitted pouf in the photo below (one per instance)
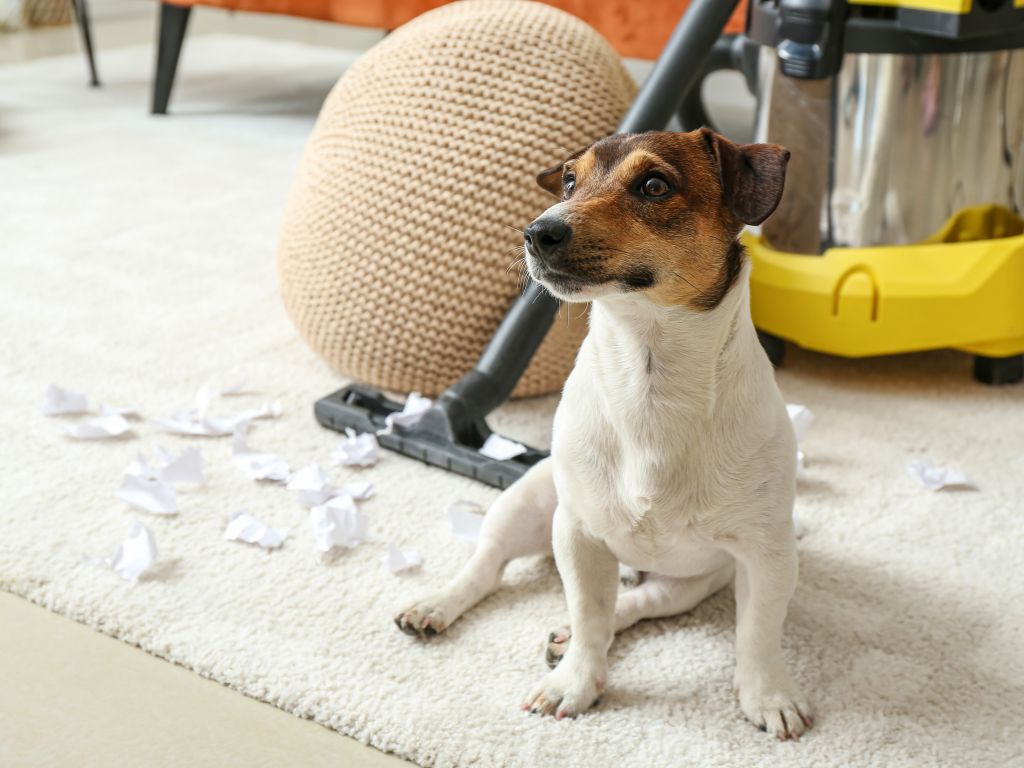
(398, 254)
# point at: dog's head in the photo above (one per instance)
(655, 212)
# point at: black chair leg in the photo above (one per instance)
(81, 11)
(173, 22)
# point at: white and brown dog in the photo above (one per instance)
(672, 452)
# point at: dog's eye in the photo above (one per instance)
(655, 186)
(568, 184)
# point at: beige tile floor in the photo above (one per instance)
(72, 697)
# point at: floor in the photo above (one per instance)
(74, 697)
(108, 715)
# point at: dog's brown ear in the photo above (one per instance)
(752, 175)
(550, 180)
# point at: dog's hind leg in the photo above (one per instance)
(517, 524)
(656, 597)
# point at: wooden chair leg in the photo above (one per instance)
(173, 23)
(81, 11)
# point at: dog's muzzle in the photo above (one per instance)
(547, 247)
(548, 237)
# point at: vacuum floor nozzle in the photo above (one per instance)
(432, 440)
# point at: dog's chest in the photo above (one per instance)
(643, 497)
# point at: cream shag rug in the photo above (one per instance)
(137, 260)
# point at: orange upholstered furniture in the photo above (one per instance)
(636, 28)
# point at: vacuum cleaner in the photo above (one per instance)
(900, 228)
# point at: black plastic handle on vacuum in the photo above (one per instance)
(676, 73)
(725, 55)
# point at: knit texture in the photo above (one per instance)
(398, 253)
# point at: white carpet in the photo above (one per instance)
(137, 259)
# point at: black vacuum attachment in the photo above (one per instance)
(450, 434)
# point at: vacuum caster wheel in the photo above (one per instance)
(774, 347)
(998, 370)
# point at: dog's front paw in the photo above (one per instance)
(774, 704)
(424, 618)
(567, 690)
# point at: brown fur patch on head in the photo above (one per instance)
(679, 247)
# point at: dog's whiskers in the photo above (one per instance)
(519, 265)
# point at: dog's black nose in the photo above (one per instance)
(546, 236)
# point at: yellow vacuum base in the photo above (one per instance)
(962, 288)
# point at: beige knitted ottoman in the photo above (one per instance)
(400, 252)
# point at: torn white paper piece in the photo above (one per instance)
(163, 455)
(210, 392)
(338, 524)
(199, 423)
(397, 560)
(245, 527)
(128, 413)
(415, 406)
(189, 423)
(151, 488)
(466, 518)
(148, 493)
(936, 478)
(256, 465)
(58, 401)
(361, 450)
(311, 486)
(140, 467)
(265, 411)
(136, 553)
(100, 428)
(501, 448)
(359, 490)
(186, 467)
(801, 417)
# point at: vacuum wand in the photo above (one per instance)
(678, 70)
(512, 346)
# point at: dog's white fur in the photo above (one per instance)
(672, 453)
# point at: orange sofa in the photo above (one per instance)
(637, 28)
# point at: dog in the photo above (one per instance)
(672, 452)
